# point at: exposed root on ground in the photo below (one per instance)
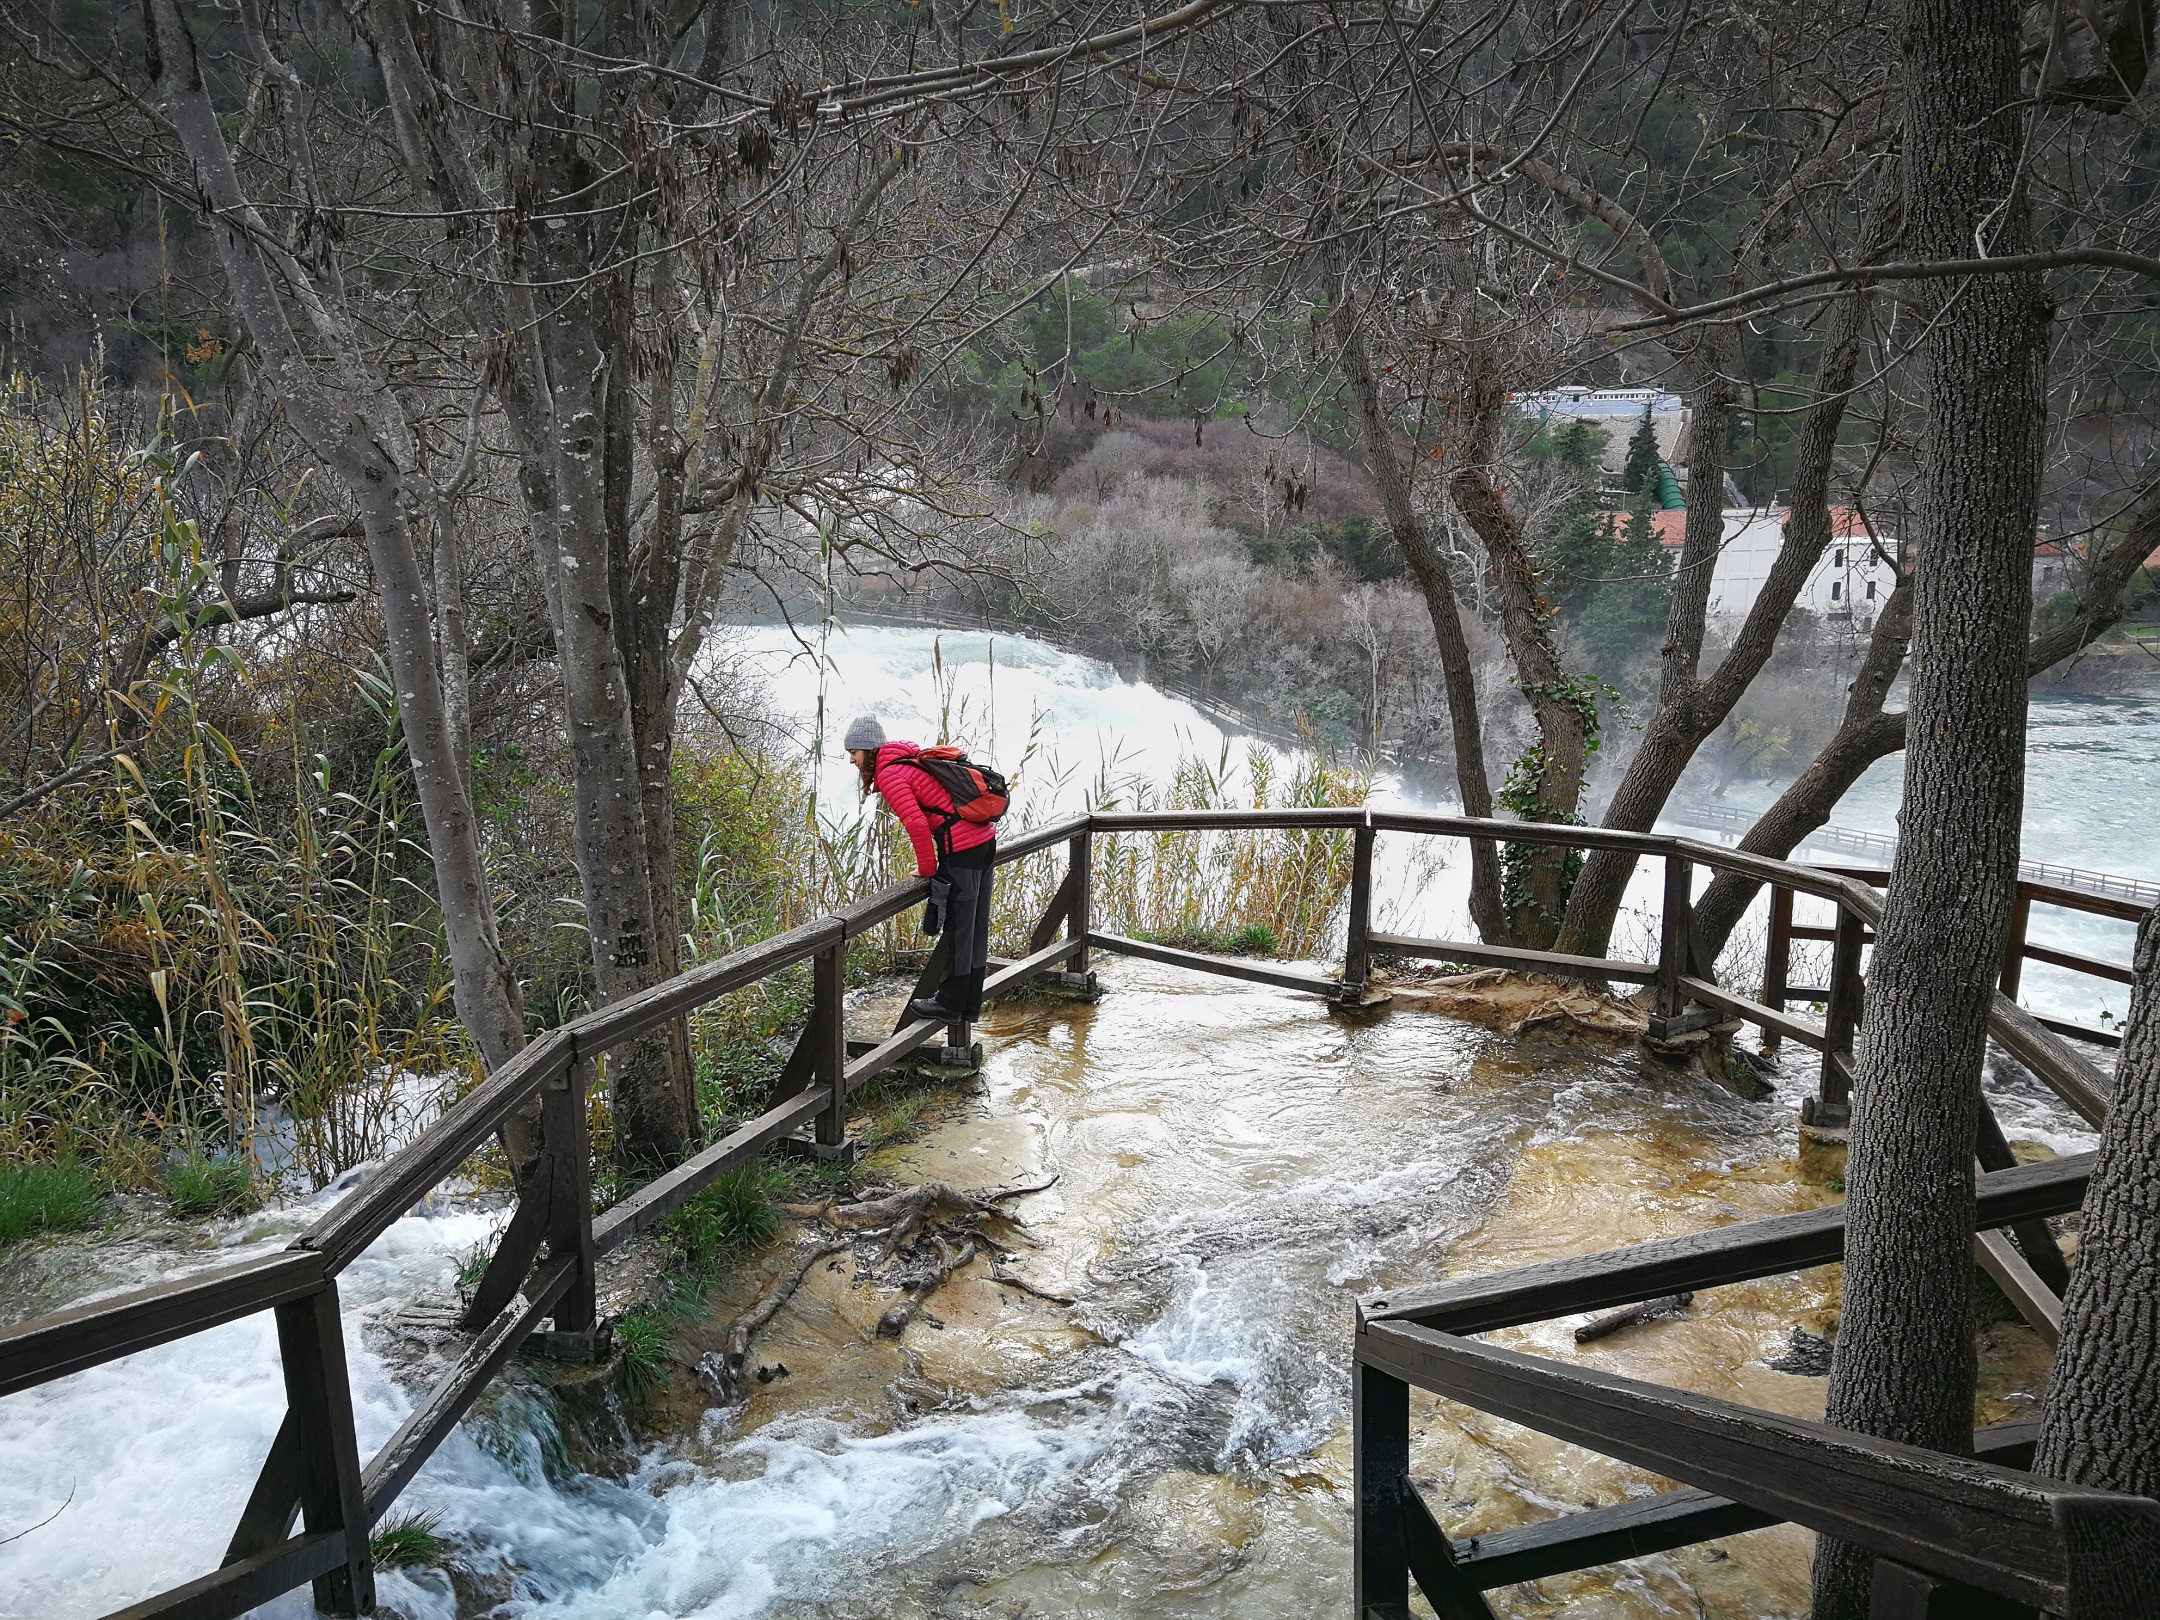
(998, 1275)
(933, 1230)
(723, 1368)
(1514, 1003)
(903, 1310)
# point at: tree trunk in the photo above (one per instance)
(1458, 678)
(353, 432)
(652, 1126)
(647, 578)
(1675, 728)
(2101, 1426)
(1904, 1365)
(1864, 735)
(1549, 786)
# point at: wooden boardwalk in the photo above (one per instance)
(1953, 1532)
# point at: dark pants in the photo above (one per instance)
(967, 930)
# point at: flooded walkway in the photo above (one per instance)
(1232, 1166)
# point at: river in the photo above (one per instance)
(1232, 1165)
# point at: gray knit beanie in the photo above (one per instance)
(863, 732)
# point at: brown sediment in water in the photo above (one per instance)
(1601, 1190)
(1271, 1538)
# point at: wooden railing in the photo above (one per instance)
(1953, 1536)
(2018, 946)
(543, 1268)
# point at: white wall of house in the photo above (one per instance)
(1849, 584)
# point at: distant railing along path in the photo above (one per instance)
(2026, 1539)
(2108, 885)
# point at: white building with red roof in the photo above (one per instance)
(1848, 585)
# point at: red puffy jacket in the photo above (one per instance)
(910, 793)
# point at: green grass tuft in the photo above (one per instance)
(410, 1541)
(59, 1197)
(1254, 939)
(642, 1342)
(472, 1266)
(895, 1124)
(735, 1213)
(197, 1186)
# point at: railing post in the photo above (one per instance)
(1082, 916)
(1676, 946)
(2013, 960)
(1833, 1100)
(1357, 952)
(565, 1129)
(1900, 1592)
(828, 1023)
(1380, 1474)
(1777, 959)
(311, 1344)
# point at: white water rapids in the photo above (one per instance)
(1235, 1163)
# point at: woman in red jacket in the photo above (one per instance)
(953, 853)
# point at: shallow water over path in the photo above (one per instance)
(1233, 1166)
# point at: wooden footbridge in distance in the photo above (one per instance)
(1954, 1537)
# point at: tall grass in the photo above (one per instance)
(180, 952)
(59, 1197)
(1275, 890)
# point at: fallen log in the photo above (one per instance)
(1650, 1310)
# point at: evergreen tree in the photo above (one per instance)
(1579, 446)
(1642, 454)
(1621, 609)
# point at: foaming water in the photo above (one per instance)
(2092, 773)
(1232, 1165)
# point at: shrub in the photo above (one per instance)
(199, 1186)
(410, 1541)
(59, 1197)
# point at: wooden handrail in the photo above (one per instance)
(363, 1215)
(1643, 1525)
(1292, 818)
(2027, 1538)
(556, 1064)
(1708, 1259)
(608, 1027)
(659, 1196)
(82, 1336)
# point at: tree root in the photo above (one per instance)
(723, 1368)
(1026, 1287)
(904, 1309)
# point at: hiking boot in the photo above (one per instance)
(936, 1010)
